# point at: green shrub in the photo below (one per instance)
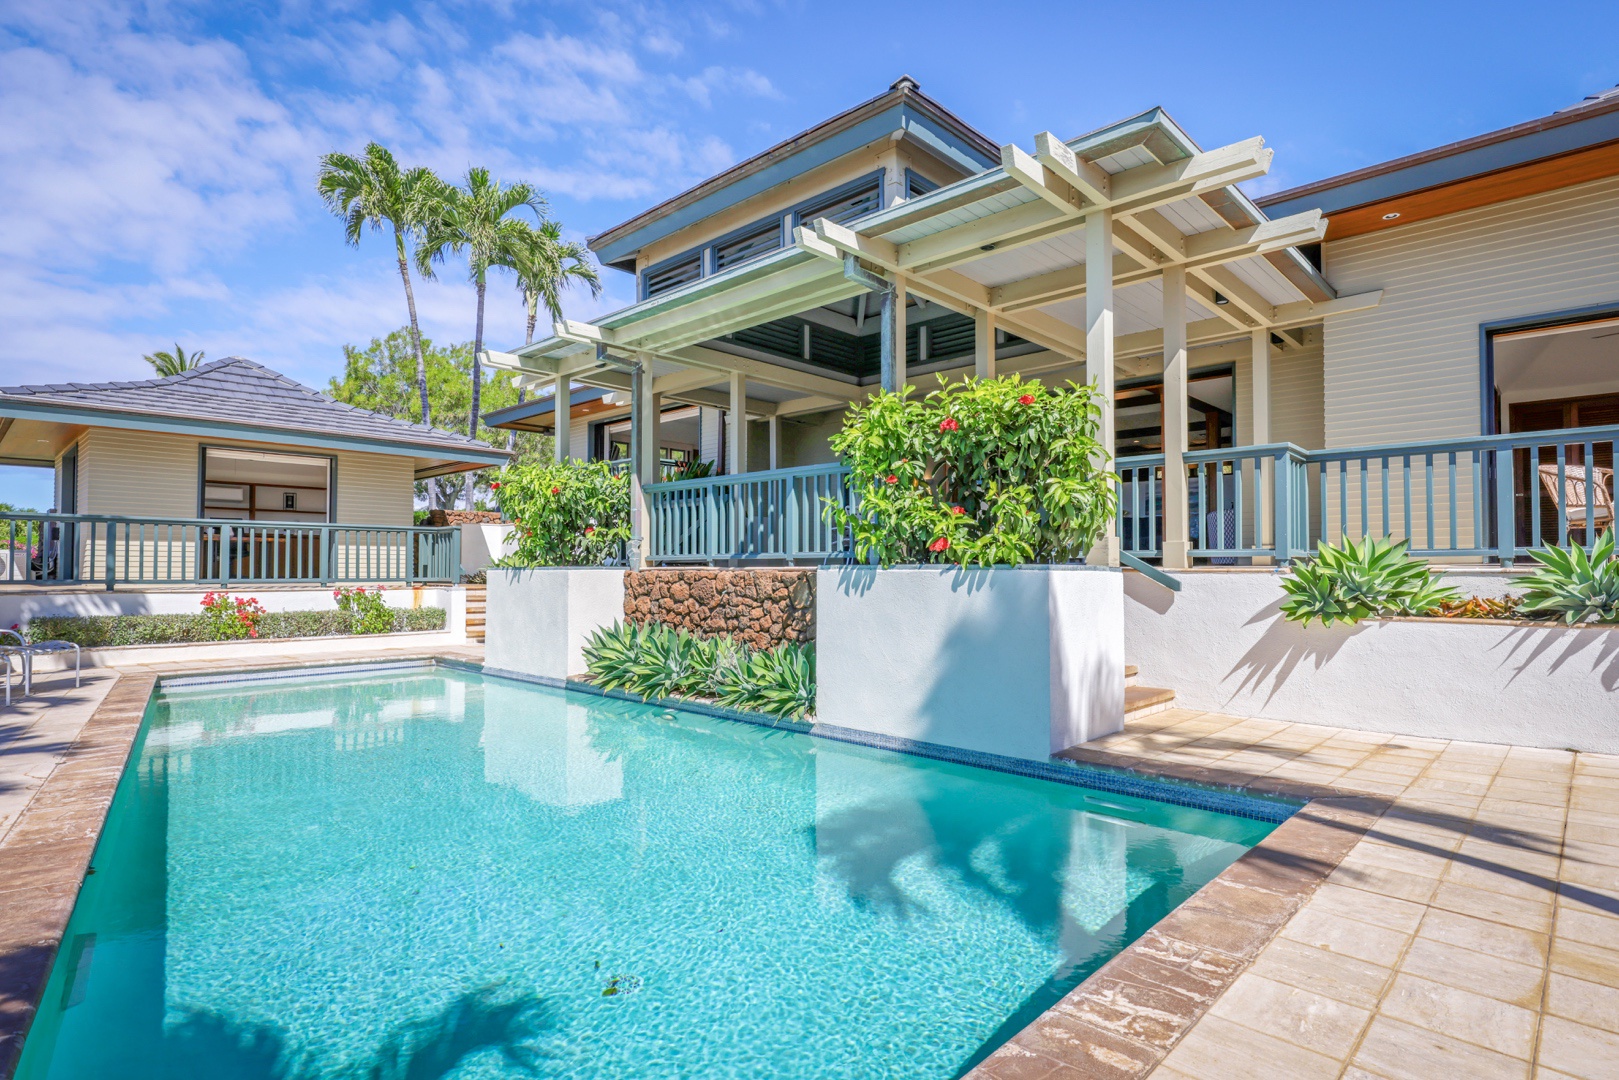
(1349, 582)
(1576, 586)
(368, 612)
(232, 617)
(987, 471)
(565, 513)
(657, 661)
(106, 631)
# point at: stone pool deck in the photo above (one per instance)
(1469, 928)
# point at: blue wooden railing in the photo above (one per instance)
(1492, 496)
(56, 549)
(775, 515)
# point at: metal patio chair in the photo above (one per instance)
(1581, 512)
(26, 650)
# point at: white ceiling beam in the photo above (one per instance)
(1152, 185)
(1239, 293)
(1304, 311)
(997, 231)
(1087, 178)
(760, 371)
(1041, 180)
(1158, 229)
(1198, 286)
(800, 406)
(1226, 244)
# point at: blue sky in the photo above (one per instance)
(157, 160)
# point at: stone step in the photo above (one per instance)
(1146, 700)
(1129, 674)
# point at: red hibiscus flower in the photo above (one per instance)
(1026, 399)
(589, 529)
(556, 491)
(940, 544)
(948, 424)
(495, 486)
(958, 510)
(892, 479)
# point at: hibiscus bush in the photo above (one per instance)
(366, 608)
(990, 471)
(232, 617)
(566, 513)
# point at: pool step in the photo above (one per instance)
(1142, 701)
(476, 597)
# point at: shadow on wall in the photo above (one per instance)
(1283, 647)
(1525, 645)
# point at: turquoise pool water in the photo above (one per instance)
(432, 873)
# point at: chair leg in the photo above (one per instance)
(78, 665)
(27, 675)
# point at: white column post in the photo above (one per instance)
(984, 345)
(640, 475)
(1261, 428)
(893, 336)
(649, 441)
(562, 416)
(1177, 538)
(1099, 351)
(774, 426)
(737, 458)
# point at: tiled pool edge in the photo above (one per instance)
(44, 858)
(1122, 1022)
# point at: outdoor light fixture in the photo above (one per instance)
(987, 247)
(1220, 300)
(1391, 217)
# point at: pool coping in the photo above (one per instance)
(1119, 1023)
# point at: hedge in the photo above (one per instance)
(103, 631)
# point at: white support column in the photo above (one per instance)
(774, 425)
(893, 336)
(640, 474)
(649, 442)
(1177, 538)
(1261, 429)
(1099, 350)
(562, 416)
(984, 345)
(737, 448)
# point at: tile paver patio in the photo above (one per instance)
(1472, 931)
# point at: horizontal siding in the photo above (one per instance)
(151, 474)
(1409, 368)
(1296, 407)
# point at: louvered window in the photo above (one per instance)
(917, 184)
(763, 237)
(845, 204)
(673, 274)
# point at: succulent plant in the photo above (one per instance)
(1351, 581)
(1577, 586)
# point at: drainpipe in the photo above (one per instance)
(637, 407)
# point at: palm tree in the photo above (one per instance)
(545, 264)
(172, 363)
(372, 190)
(473, 220)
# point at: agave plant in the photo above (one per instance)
(658, 661)
(783, 681)
(1354, 581)
(1577, 586)
(610, 655)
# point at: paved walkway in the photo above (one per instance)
(1473, 931)
(37, 731)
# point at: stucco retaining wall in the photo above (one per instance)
(18, 607)
(536, 621)
(1222, 645)
(762, 608)
(1018, 661)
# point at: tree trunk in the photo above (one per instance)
(416, 343)
(477, 384)
(528, 339)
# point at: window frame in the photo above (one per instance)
(202, 481)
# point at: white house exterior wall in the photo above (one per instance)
(1409, 368)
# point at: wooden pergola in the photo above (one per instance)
(1124, 244)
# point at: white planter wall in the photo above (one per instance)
(536, 621)
(482, 544)
(1018, 661)
(31, 603)
(1222, 645)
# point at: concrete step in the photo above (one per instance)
(1129, 674)
(1145, 700)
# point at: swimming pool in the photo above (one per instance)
(435, 873)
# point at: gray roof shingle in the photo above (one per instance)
(238, 391)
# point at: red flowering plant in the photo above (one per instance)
(230, 617)
(366, 607)
(978, 472)
(565, 513)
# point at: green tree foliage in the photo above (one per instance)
(478, 221)
(982, 472)
(381, 377)
(567, 513)
(167, 363)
